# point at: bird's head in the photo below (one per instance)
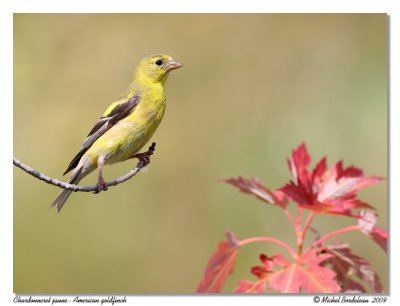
(156, 68)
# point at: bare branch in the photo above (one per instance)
(141, 164)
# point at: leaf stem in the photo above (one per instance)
(308, 222)
(307, 225)
(269, 239)
(298, 230)
(301, 232)
(299, 215)
(290, 217)
(332, 234)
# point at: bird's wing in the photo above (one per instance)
(112, 115)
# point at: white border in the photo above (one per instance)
(8, 7)
(180, 6)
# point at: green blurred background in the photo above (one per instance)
(253, 87)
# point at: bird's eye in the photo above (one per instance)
(159, 62)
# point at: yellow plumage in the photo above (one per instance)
(127, 124)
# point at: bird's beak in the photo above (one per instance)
(172, 65)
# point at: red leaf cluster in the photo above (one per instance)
(321, 190)
(319, 269)
(325, 190)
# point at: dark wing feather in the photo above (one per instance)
(119, 112)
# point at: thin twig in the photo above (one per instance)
(141, 164)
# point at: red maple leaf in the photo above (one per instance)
(326, 191)
(220, 265)
(254, 187)
(346, 264)
(304, 275)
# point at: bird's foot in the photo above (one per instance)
(101, 186)
(144, 157)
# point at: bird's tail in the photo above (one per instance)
(63, 195)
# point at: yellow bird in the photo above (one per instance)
(127, 124)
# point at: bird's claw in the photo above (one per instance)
(101, 186)
(144, 158)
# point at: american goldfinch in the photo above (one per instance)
(127, 124)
